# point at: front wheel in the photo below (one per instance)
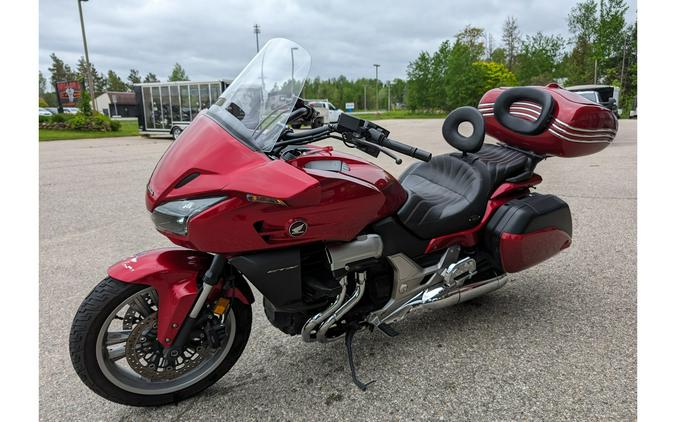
(114, 350)
(175, 133)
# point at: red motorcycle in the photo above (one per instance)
(333, 243)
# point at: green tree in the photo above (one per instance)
(42, 84)
(85, 103)
(178, 74)
(419, 78)
(472, 37)
(115, 83)
(512, 40)
(60, 71)
(134, 76)
(43, 102)
(100, 81)
(493, 75)
(498, 55)
(540, 58)
(150, 77)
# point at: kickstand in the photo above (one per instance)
(348, 342)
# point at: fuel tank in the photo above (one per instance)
(319, 195)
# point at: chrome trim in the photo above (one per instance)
(588, 141)
(519, 108)
(527, 103)
(580, 135)
(584, 130)
(474, 290)
(308, 330)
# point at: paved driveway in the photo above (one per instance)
(557, 343)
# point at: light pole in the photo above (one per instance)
(377, 92)
(389, 96)
(90, 80)
(256, 31)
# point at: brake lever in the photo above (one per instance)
(391, 155)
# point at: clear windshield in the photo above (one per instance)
(256, 106)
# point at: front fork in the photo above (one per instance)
(211, 277)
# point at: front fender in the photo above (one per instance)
(173, 272)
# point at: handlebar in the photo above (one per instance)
(411, 151)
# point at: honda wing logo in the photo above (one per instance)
(297, 228)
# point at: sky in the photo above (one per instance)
(214, 39)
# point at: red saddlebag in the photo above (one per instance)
(571, 125)
(524, 232)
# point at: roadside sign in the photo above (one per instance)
(349, 107)
(68, 93)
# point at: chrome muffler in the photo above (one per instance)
(443, 295)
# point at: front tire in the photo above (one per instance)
(175, 133)
(95, 314)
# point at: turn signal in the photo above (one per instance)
(264, 199)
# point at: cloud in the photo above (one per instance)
(214, 39)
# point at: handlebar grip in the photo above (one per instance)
(408, 150)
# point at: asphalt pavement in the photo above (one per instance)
(558, 342)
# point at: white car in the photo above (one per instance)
(329, 112)
(44, 112)
(71, 110)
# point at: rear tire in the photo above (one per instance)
(88, 322)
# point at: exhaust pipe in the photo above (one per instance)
(348, 305)
(441, 296)
(309, 329)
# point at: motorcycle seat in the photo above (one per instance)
(445, 195)
(504, 163)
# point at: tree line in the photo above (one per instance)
(103, 82)
(602, 49)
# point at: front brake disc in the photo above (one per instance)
(146, 356)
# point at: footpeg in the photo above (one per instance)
(388, 330)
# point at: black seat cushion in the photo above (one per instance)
(445, 195)
(503, 163)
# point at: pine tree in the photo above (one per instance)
(115, 83)
(134, 76)
(150, 77)
(178, 74)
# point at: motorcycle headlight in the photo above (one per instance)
(174, 216)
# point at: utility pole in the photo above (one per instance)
(389, 96)
(90, 80)
(623, 60)
(377, 91)
(256, 31)
(365, 105)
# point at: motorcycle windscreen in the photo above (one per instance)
(256, 106)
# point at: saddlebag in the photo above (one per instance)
(526, 231)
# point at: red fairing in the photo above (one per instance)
(223, 164)
(521, 251)
(335, 205)
(578, 126)
(173, 273)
